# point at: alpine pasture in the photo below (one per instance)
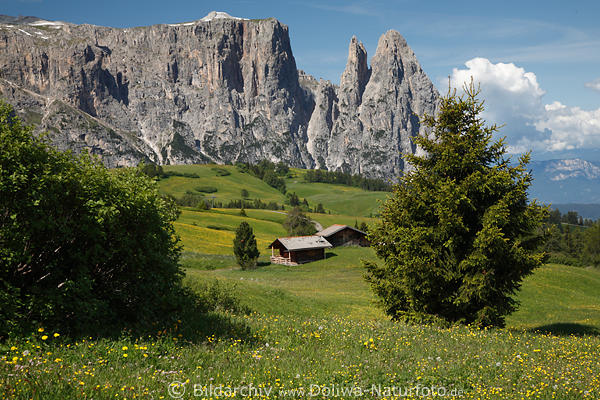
(314, 330)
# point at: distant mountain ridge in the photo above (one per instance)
(219, 89)
(566, 181)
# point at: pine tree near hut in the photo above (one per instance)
(458, 235)
(244, 246)
(298, 224)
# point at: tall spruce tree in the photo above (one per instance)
(458, 235)
(244, 246)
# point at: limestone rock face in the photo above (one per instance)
(376, 110)
(220, 89)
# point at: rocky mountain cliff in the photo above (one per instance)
(220, 89)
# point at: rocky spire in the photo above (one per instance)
(356, 75)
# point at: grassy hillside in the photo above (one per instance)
(314, 331)
(228, 187)
(554, 297)
(213, 231)
(338, 199)
(560, 299)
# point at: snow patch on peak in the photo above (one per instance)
(573, 168)
(52, 24)
(219, 15)
(183, 24)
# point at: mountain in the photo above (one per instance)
(566, 181)
(219, 89)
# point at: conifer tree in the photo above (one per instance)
(457, 236)
(298, 224)
(244, 246)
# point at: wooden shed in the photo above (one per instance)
(298, 249)
(344, 235)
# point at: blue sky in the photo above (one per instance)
(538, 63)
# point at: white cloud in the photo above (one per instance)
(571, 127)
(514, 98)
(506, 88)
(595, 84)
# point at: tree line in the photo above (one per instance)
(572, 239)
(345, 178)
(272, 174)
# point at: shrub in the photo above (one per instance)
(152, 170)
(217, 296)
(221, 171)
(168, 174)
(83, 250)
(203, 205)
(271, 179)
(219, 227)
(206, 189)
(293, 199)
(592, 244)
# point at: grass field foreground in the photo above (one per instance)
(293, 357)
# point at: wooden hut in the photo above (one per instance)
(344, 235)
(298, 249)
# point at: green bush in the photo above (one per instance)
(221, 171)
(206, 189)
(152, 170)
(219, 228)
(83, 250)
(565, 259)
(592, 244)
(217, 296)
(169, 174)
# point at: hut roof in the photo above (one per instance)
(335, 228)
(303, 242)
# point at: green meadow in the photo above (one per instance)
(315, 330)
(337, 199)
